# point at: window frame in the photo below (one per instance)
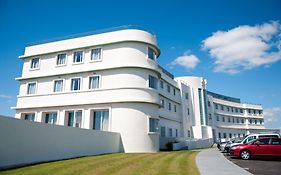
(101, 54)
(151, 77)
(51, 111)
(65, 62)
(27, 87)
(39, 63)
(63, 85)
(83, 57)
(81, 79)
(158, 125)
(147, 53)
(99, 82)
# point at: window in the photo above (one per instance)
(256, 122)
(230, 135)
(218, 118)
(176, 132)
(217, 106)
(174, 90)
(175, 108)
(75, 84)
(152, 81)
(31, 87)
(74, 118)
(263, 141)
(241, 110)
(161, 84)
(163, 131)
(237, 120)
(210, 116)
(29, 117)
(94, 82)
(260, 122)
(162, 102)
(231, 109)
(219, 135)
(169, 106)
(242, 120)
(188, 133)
(151, 54)
(61, 59)
(168, 88)
(233, 121)
(186, 95)
(228, 119)
(170, 132)
(224, 135)
(78, 57)
(188, 111)
(34, 63)
(236, 110)
(96, 54)
(58, 85)
(100, 120)
(249, 139)
(254, 111)
(51, 118)
(275, 141)
(249, 111)
(153, 125)
(222, 107)
(209, 104)
(228, 109)
(250, 121)
(223, 119)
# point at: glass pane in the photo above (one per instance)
(75, 84)
(70, 118)
(94, 82)
(97, 120)
(96, 54)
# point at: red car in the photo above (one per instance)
(269, 147)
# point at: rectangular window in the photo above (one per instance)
(229, 120)
(222, 107)
(152, 81)
(224, 135)
(242, 120)
(230, 135)
(223, 119)
(75, 84)
(210, 116)
(74, 118)
(151, 53)
(228, 109)
(218, 118)
(176, 132)
(153, 125)
(250, 121)
(161, 84)
(188, 111)
(175, 108)
(231, 109)
(174, 90)
(170, 132)
(209, 103)
(216, 106)
(58, 85)
(29, 117)
(163, 131)
(94, 82)
(168, 88)
(169, 106)
(236, 110)
(51, 118)
(241, 110)
(162, 102)
(31, 88)
(237, 120)
(78, 57)
(186, 95)
(96, 54)
(34, 63)
(219, 135)
(100, 120)
(61, 59)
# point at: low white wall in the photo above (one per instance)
(24, 142)
(193, 144)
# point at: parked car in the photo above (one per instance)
(221, 144)
(263, 147)
(231, 142)
(251, 137)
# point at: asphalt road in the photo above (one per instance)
(265, 166)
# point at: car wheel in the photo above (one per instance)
(245, 154)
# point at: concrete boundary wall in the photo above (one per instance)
(24, 142)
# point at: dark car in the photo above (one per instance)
(264, 147)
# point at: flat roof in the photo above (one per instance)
(223, 97)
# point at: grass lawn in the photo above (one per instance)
(172, 163)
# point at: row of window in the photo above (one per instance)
(237, 120)
(232, 109)
(230, 135)
(73, 118)
(153, 83)
(78, 57)
(169, 105)
(94, 83)
(169, 132)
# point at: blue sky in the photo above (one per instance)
(242, 60)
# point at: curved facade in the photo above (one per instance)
(112, 82)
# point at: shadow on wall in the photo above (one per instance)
(24, 142)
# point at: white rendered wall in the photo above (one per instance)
(24, 142)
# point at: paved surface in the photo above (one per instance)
(259, 166)
(212, 162)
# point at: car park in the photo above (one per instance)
(263, 147)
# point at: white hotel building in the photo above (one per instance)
(111, 82)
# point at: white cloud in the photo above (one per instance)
(244, 47)
(272, 115)
(5, 96)
(188, 61)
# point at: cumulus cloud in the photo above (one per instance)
(244, 47)
(189, 61)
(272, 115)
